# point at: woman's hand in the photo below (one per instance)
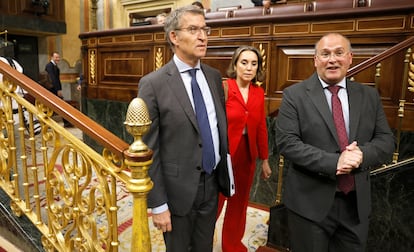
(266, 171)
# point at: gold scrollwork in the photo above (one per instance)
(113, 161)
(78, 197)
(92, 66)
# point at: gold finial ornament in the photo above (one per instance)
(137, 123)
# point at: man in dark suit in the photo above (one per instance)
(325, 215)
(185, 194)
(54, 74)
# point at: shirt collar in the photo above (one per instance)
(342, 83)
(183, 67)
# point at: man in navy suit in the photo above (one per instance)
(184, 197)
(322, 215)
(54, 74)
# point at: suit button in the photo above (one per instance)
(198, 168)
(200, 145)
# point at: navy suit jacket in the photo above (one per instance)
(174, 136)
(306, 135)
(54, 74)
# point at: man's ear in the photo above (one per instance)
(173, 37)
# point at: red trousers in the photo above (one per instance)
(234, 222)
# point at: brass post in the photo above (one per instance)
(280, 181)
(401, 104)
(377, 74)
(138, 158)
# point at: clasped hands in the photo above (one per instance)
(350, 159)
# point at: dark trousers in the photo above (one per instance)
(194, 231)
(340, 231)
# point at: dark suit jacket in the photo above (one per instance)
(306, 135)
(54, 74)
(174, 136)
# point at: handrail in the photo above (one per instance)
(104, 137)
(392, 167)
(68, 190)
(380, 57)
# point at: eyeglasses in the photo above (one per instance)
(196, 30)
(337, 54)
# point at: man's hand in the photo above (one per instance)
(59, 93)
(162, 221)
(351, 158)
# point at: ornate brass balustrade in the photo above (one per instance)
(64, 187)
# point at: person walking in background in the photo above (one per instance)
(247, 133)
(264, 3)
(79, 82)
(54, 73)
(333, 131)
(188, 135)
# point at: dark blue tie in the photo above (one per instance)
(209, 160)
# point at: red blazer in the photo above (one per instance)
(252, 114)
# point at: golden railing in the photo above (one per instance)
(64, 187)
(407, 84)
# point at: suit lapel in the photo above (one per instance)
(318, 98)
(213, 89)
(234, 91)
(176, 84)
(354, 101)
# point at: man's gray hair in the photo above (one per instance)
(173, 20)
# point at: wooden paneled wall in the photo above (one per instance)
(55, 10)
(115, 60)
(34, 18)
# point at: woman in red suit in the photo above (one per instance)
(247, 133)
